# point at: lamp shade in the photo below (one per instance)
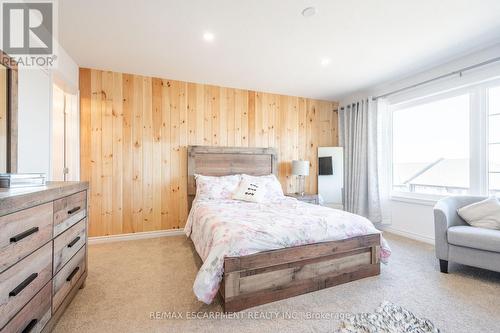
(300, 168)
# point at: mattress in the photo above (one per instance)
(232, 228)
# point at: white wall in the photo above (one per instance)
(414, 218)
(34, 121)
(66, 73)
(34, 114)
(457, 63)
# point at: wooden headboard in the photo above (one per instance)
(223, 161)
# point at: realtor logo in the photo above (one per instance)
(27, 28)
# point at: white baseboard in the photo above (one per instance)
(180, 232)
(135, 236)
(407, 234)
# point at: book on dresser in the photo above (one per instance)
(43, 253)
(15, 180)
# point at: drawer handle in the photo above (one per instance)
(23, 285)
(74, 241)
(30, 326)
(23, 234)
(77, 268)
(73, 210)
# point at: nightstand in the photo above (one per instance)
(309, 198)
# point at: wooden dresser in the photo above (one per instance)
(43, 253)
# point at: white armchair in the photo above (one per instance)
(459, 242)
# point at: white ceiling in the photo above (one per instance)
(267, 45)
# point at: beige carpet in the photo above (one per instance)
(129, 280)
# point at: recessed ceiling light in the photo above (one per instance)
(309, 11)
(208, 36)
(325, 61)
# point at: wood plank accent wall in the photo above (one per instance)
(135, 131)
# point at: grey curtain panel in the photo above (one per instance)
(358, 136)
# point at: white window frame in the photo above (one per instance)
(493, 84)
(478, 145)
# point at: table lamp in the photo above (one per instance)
(301, 170)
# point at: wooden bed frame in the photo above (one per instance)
(269, 276)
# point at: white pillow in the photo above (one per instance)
(482, 214)
(270, 183)
(214, 188)
(249, 191)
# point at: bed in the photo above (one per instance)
(247, 280)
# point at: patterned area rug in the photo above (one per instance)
(388, 318)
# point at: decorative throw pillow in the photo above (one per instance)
(214, 188)
(270, 183)
(482, 214)
(249, 191)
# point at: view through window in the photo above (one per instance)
(431, 147)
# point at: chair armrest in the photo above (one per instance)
(442, 220)
(445, 213)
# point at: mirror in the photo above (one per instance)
(4, 105)
(331, 176)
(8, 114)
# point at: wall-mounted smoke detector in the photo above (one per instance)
(309, 11)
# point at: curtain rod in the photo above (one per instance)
(457, 72)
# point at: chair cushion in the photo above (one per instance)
(482, 214)
(476, 238)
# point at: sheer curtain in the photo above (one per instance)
(359, 135)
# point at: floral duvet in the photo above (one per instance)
(231, 228)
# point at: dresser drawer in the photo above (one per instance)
(23, 232)
(68, 211)
(33, 317)
(67, 277)
(22, 281)
(68, 243)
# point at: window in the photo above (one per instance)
(494, 140)
(447, 143)
(431, 147)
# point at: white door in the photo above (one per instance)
(65, 135)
